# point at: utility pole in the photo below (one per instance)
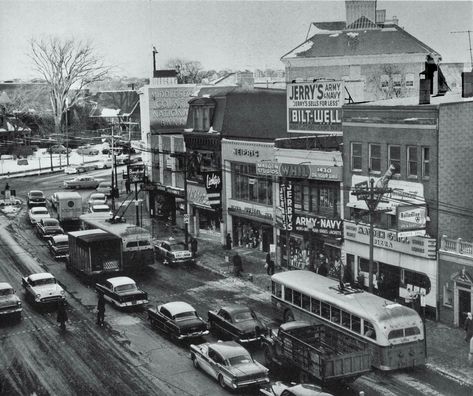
(373, 195)
(67, 137)
(469, 41)
(186, 215)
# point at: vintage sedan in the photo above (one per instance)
(230, 364)
(122, 292)
(97, 198)
(280, 388)
(236, 322)
(173, 251)
(102, 211)
(59, 246)
(37, 213)
(10, 304)
(178, 319)
(105, 187)
(87, 150)
(42, 288)
(35, 198)
(46, 228)
(82, 182)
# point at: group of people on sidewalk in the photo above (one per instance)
(62, 316)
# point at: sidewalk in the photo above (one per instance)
(447, 351)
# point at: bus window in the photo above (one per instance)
(335, 315)
(296, 298)
(356, 324)
(132, 244)
(144, 243)
(288, 294)
(325, 311)
(276, 289)
(315, 306)
(369, 330)
(306, 302)
(410, 331)
(398, 333)
(346, 319)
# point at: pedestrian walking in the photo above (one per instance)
(266, 264)
(101, 310)
(228, 244)
(194, 247)
(127, 186)
(271, 267)
(468, 326)
(237, 265)
(62, 314)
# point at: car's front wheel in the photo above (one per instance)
(221, 381)
(195, 362)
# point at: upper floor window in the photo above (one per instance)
(202, 110)
(395, 157)
(425, 162)
(410, 80)
(396, 80)
(375, 158)
(412, 161)
(384, 81)
(356, 156)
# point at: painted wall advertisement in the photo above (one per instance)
(284, 216)
(315, 106)
(168, 107)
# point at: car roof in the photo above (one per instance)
(41, 275)
(5, 285)
(50, 220)
(228, 349)
(60, 238)
(35, 191)
(101, 206)
(99, 194)
(120, 280)
(105, 183)
(294, 325)
(176, 307)
(36, 208)
(233, 308)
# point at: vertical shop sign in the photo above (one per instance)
(213, 186)
(287, 205)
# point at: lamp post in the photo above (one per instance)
(67, 137)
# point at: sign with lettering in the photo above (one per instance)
(253, 210)
(411, 218)
(299, 171)
(168, 106)
(319, 225)
(286, 202)
(213, 186)
(197, 194)
(389, 239)
(315, 106)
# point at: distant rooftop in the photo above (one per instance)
(449, 97)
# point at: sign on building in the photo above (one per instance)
(315, 107)
(411, 220)
(284, 216)
(213, 186)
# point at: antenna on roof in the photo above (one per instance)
(469, 40)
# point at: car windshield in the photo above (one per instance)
(178, 246)
(40, 211)
(125, 288)
(41, 282)
(242, 316)
(50, 223)
(95, 209)
(6, 292)
(36, 194)
(62, 244)
(240, 359)
(185, 315)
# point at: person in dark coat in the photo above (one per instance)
(468, 326)
(237, 265)
(194, 247)
(101, 310)
(271, 267)
(228, 244)
(127, 186)
(62, 314)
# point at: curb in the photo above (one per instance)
(445, 373)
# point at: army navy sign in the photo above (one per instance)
(319, 225)
(315, 106)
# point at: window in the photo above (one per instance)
(356, 324)
(296, 298)
(276, 289)
(396, 81)
(346, 319)
(335, 315)
(425, 162)
(325, 310)
(288, 294)
(447, 295)
(410, 80)
(375, 158)
(384, 81)
(247, 186)
(395, 157)
(317, 198)
(306, 302)
(410, 331)
(398, 333)
(356, 156)
(368, 330)
(315, 306)
(412, 161)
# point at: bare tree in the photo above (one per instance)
(187, 70)
(68, 66)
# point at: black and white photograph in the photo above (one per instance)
(236, 197)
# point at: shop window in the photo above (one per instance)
(415, 280)
(356, 156)
(448, 294)
(425, 162)
(412, 161)
(364, 265)
(315, 306)
(375, 157)
(395, 157)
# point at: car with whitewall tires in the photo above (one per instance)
(10, 304)
(35, 198)
(37, 213)
(42, 288)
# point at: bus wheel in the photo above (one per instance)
(288, 316)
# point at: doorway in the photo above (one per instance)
(464, 305)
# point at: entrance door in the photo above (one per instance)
(464, 305)
(392, 280)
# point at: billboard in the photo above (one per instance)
(315, 107)
(411, 220)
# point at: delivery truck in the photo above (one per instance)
(67, 208)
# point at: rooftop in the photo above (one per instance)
(449, 97)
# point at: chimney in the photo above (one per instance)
(380, 16)
(245, 80)
(355, 9)
(467, 84)
(424, 91)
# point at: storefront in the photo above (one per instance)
(203, 216)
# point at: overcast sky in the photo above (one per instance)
(219, 34)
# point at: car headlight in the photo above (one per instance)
(63, 293)
(18, 303)
(38, 296)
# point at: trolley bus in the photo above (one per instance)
(136, 248)
(395, 333)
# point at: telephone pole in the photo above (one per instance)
(469, 41)
(372, 195)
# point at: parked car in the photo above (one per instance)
(59, 246)
(46, 228)
(42, 288)
(82, 182)
(132, 160)
(173, 251)
(177, 319)
(10, 304)
(58, 149)
(230, 364)
(87, 150)
(105, 187)
(101, 209)
(122, 292)
(236, 322)
(280, 388)
(35, 197)
(105, 163)
(97, 198)
(37, 213)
